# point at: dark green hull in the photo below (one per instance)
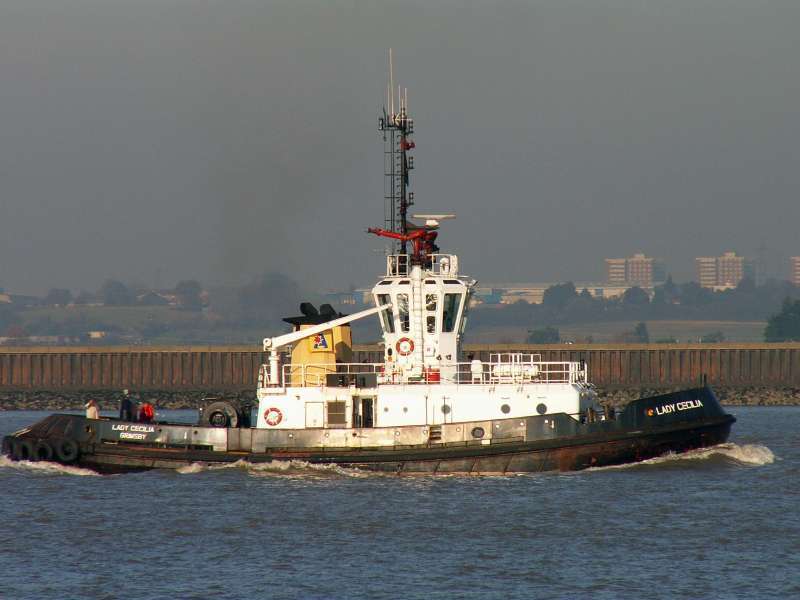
(646, 428)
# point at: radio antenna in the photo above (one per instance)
(397, 128)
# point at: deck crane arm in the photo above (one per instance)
(273, 344)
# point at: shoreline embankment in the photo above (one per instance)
(190, 399)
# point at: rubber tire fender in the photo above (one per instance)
(23, 450)
(67, 451)
(8, 447)
(223, 409)
(43, 451)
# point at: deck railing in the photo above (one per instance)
(399, 265)
(501, 368)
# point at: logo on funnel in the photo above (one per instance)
(319, 342)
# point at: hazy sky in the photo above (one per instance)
(218, 140)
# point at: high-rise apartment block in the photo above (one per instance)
(617, 273)
(637, 270)
(723, 272)
(794, 262)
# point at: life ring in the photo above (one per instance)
(43, 451)
(273, 416)
(67, 451)
(404, 346)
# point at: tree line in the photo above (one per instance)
(564, 304)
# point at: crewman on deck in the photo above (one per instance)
(146, 412)
(126, 407)
(92, 410)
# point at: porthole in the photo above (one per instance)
(445, 409)
(541, 408)
(478, 432)
(505, 409)
(405, 409)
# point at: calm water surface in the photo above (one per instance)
(717, 524)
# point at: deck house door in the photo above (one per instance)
(314, 414)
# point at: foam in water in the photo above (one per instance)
(278, 467)
(746, 454)
(45, 468)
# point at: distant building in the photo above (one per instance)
(484, 295)
(795, 268)
(25, 301)
(706, 267)
(533, 293)
(342, 298)
(724, 272)
(152, 298)
(617, 273)
(637, 270)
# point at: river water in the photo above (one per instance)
(720, 523)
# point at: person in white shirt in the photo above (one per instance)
(92, 410)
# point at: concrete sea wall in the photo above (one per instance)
(235, 368)
(52, 378)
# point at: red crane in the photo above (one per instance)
(422, 239)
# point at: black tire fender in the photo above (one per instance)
(23, 450)
(14, 449)
(221, 414)
(43, 451)
(67, 451)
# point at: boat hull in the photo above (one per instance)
(647, 428)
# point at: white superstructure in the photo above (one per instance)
(423, 380)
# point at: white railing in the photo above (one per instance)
(514, 367)
(501, 368)
(399, 265)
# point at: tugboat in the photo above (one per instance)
(421, 410)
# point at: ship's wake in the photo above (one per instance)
(283, 468)
(728, 454)
(44, 468)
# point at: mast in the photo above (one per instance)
(397, 128)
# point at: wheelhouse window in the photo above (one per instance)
(402, 311)
(430, 302)
(451, 306)
(387, 317)
(464, 314)
(431, 323)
